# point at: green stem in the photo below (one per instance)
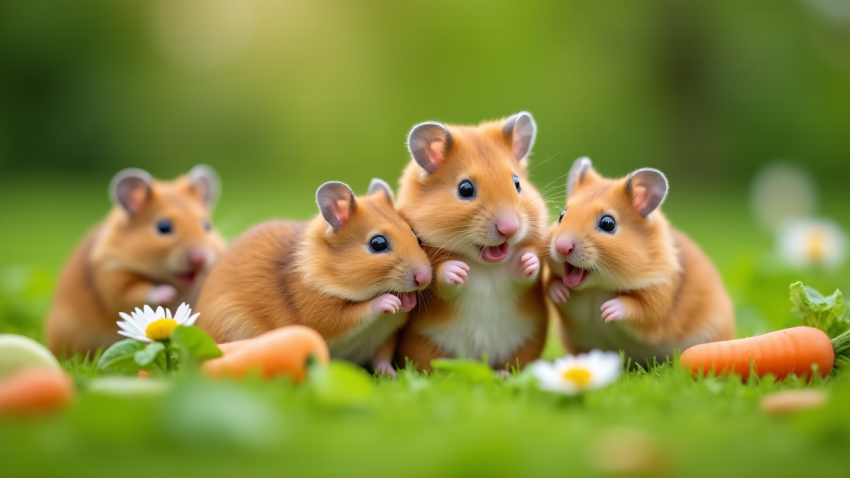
(168, 366)
(841, 345)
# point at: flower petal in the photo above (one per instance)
(191, 320)
(129, 327)
(131, 321)
(182, 312)
(136, 337)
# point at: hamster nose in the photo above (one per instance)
(507, 226)
(422, 276)
(197, 258)
(565, 245)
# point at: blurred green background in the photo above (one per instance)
(282, 96)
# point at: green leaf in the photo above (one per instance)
(467, 370)
(828, 314)
(194, 343)
(121, 354)
(340, 384)
(147, 355)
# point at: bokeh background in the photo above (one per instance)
(281, 96)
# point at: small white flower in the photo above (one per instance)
(150, 325)
(574, 374)
(812, 242)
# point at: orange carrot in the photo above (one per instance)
(781, 353)
(283, 351)
(35, 391)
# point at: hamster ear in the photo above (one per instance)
(206, 182)
(579, 173)
(379, 185)
(336, 201)
(521, 130)
(428, 144)
(131, 189)
(647, 189)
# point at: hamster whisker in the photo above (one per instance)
(610, 271)
(542, 162)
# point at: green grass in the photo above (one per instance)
(418, 426)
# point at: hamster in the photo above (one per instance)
(623, 278)
(154, 248)
(339, 273)
(467, 195)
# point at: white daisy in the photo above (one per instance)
(812, 242)
(574, 374)
(154, 325)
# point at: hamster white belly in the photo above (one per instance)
(360, 344)
(487, 319)
(587, 330)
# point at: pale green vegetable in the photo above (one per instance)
(18, 352)
(828, 314)
(127, 386)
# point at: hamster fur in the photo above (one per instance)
(154, 248)
(487, 297)
(642, 287)
(324, 274)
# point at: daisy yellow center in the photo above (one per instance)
(578, 376)
(816, 245)
(160, 329)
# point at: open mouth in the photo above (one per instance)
(495, 253)
(187, 279)
(408, 300)
(574, 276)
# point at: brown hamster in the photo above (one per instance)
(623, 278)
(339, 274)
(467, 195)
(154, 248)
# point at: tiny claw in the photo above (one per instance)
(384, 367)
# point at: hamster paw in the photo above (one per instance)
(530, 265)
(162, 294)
(613, 310)
(384, 367)
(559, 292)
(503, 374)
(455, 272)
(386, 303)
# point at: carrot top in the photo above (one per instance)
(829, 314)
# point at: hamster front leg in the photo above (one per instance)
(382, 361)
(450, 275)
(558, 291)
(646, 310)
(529, 263)
(122, 291)
(336, 317)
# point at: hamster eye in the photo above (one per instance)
(417, 237)
(516, 183)
(378, 244)
(207, 225)
(465, 190)
(561, 217)
(164, 227)
(607, 224)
